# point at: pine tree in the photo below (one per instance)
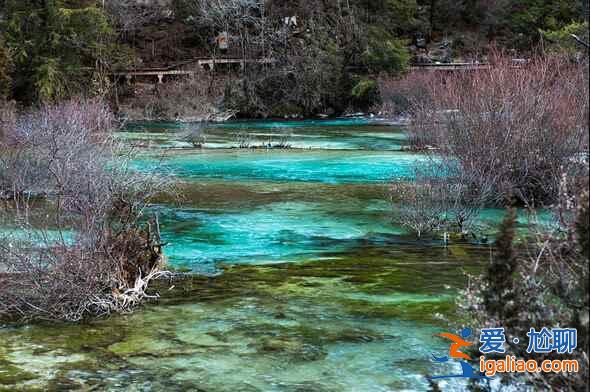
(5, 63)
(499, 295)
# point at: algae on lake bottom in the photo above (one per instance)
(338, 324)
(349, 303)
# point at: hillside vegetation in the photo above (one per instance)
(326, 55)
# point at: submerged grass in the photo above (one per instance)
(355, 317)
(292, 313)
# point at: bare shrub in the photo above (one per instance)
(192, 99)
(283, 140)
(400, 95)
(439, 199)
(129, 16)
(196, 135)
(75, 247)
(7, 118)
(243, 139)
(516, 128)
(417, 206)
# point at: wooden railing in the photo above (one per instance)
(516, 63)
(207, 64)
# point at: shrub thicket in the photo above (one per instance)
(73, 243)
(514, 130)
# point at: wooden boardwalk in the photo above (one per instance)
(451, 67)
(205, 63)
(210, 64)
(516, 63)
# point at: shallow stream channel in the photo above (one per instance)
(301, 280)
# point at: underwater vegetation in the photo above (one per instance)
(305, 284)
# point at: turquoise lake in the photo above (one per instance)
(304, 283)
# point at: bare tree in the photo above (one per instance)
(514, 129)
(418, 205)
(131, 15)
(75, 246)
(7, 118)
(241, 20)
(439, 199)
(196, 135)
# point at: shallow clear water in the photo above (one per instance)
(332, 167)
(349, 134)
(309, 288)
(361, 322)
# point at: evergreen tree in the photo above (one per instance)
(499, 293)
(57, 46)
(5, 67)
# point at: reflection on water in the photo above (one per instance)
(309, 286)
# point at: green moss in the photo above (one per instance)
(289, 313)
(69, 338)
(372, 285)
(63, 383)
(426, 312)
(146, 344)
(293, 348)
(11, 374)
(181, 269)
